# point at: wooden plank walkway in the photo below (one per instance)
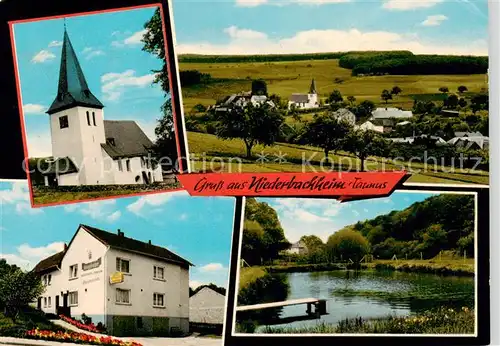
(279, 304)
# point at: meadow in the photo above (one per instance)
(286, 77)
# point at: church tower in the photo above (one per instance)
(77, 120)
(313, 95)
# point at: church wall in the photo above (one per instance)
(68, 179)
(128, 177)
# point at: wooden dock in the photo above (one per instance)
(319, 305)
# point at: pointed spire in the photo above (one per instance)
(312, 89)
(73, 89)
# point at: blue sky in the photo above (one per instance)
(294, 26)
(322, 217)
(196, 228)
(118, 72)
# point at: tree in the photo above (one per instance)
(386, 95)
(259, 87)
(396, 90)
(253, 124)
(364, 144)
(335, 97)
(165, 145)
(444, 89)
(348, 244)
(451, 101)
(17, 288)
(364, 109)
(462, 88)
(326, 132)
(462, 102)
(479, 102)
(351, 99)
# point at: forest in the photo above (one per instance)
(421, 231)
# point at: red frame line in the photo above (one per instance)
(20, 102)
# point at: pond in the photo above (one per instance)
(369, 294)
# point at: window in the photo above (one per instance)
(44, 280)
(122, 296)
(88, 118)
(93, 118)
(159, 273)
(50, 302)
(128, 165)
(158, 299)
(120, 166)
(45, 302)
(122, 265)
(142, 162)
(63, 122)
(73, 271)
(49, 279)
(73, 298)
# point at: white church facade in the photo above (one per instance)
(305, 101)
(129, 286)
(86, 148)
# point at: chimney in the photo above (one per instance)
(65, 247)
(149, 242)
(120, 233)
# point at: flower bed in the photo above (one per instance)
(78, 338)
(89, 327)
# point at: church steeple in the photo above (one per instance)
(312, 89)
(72, 89)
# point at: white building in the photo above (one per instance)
(390, 113)
(305, 101)
(298, 248)
(370, 126)
(132, 287)
(343, 114)
(207, 307)
(86, 149)
(238, 101)
(471, 142)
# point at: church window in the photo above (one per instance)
(88, 118)
(128, 165)
(120, 166)
(93, 118)
(63, 122)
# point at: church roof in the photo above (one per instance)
(312, 89)
(72, 89)
(124, 138)
(299, 98)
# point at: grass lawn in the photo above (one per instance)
(209, 153)
(463, 265)
(54, 196)
(287, 77)
(249, 275)
(27, 320)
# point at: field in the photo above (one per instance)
(209, 153)
(287, 77)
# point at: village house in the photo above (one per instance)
(436, 140)
(346, 115)
(238, 101)
(206, 310)
(378, 125)
(298, 248)
(305, 101)
(390, 113)
(470, 142)
(86, 149)
(130, 286)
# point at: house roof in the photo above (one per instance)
(343, 112)
(385, 113)
(468, 134)
(299, 98)
(121, 242)
(60, 166)
(72, 89)
(129, 139)
(51, 262)
(466, 141)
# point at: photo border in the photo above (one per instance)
(35, 12)
(481, 285)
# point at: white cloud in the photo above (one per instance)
(405, 5)
(212, 267)
(434, 20)
(114, 84)
(28, 256)
(32, 108)
(89, 52)
(195, 284)
(42, 56)
(314, 41)
(55, 44)
(99, 210)
(18, 197)
(151, 203)
(132, 40)
(255, 3)
(244, 34)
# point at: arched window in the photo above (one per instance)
(93, 118)
(88, 118)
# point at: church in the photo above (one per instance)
(305, 101)
(86, 149)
